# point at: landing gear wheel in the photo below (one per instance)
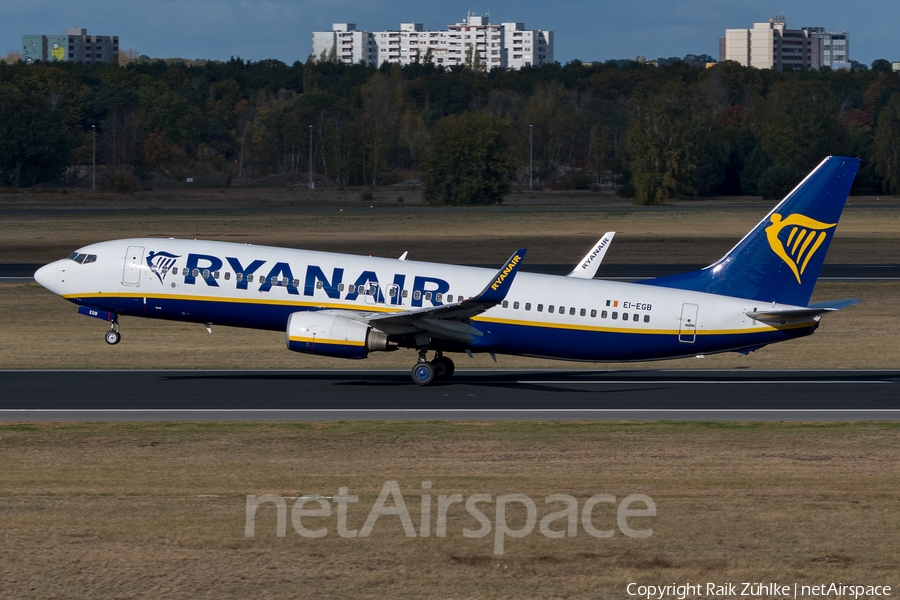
(423, 373)
(443, 368)
(113, 337)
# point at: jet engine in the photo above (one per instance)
(317, 332)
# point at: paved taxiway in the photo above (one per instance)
(252, 395)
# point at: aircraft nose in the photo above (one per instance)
(47, 276)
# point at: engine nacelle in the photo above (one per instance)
(327, 334)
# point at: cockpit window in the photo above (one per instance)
(82, 259)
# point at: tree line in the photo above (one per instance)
(655, 131)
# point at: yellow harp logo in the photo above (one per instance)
(804, 236)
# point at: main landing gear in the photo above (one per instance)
(439, 369)
(113, 336)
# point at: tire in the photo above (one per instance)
(423, 373)
(113, 337)
(443, 368)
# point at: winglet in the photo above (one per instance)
(587, 266)
(497, 289)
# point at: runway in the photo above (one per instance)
(554, 395)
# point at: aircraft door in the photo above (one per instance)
(134, 257)
(687, 330)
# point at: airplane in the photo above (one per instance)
(349, 306)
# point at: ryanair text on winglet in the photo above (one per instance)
(509, 267)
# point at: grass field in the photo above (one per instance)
(158, 510)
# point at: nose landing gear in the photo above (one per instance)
(439, 369)
(113, 336)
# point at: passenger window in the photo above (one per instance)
(428, 295)
(449, 297)
(615, 315)
(540, 308)
(636, 318)
(594, 313)
(583, 312)
(528, 306)
(562, 310)
(405, 293)
(205, 273)
(515, 305)
(646, 318)
(239, 277)
(215, 275)
(318, 284)
(506, 304)
(340, 287)
(550, 308)
(572, 310)
(227, 275)
(624, 316)
(417, 295)
(273, 281)
(164, 270)
(350, 288)
(603, 314)
(153, 268)
(174, 270)
(437, 297)
(296, 283)
(250, 279)
(196, 273)
(392, 292)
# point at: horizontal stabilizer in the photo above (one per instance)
(588, 265)
(800, 314)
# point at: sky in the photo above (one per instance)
(587, 30)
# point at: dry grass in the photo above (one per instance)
(462, 236)
(157, 510)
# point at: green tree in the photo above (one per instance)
(887, 145)
(33, 145)
(659, 148)
(467, 161)
(777, 181)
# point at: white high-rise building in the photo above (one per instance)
(475, 40)
(770, 45)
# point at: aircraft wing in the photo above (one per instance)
(448, 321)
(587, 266)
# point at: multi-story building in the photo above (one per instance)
(75, 46)
(771, 45)
(508, 45)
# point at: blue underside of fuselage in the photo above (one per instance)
(506, 338)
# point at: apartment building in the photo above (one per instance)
(770, 45)
(75, 46)
(507, 45)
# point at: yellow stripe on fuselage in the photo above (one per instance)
(370, 308)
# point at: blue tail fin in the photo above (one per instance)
(780, 259)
